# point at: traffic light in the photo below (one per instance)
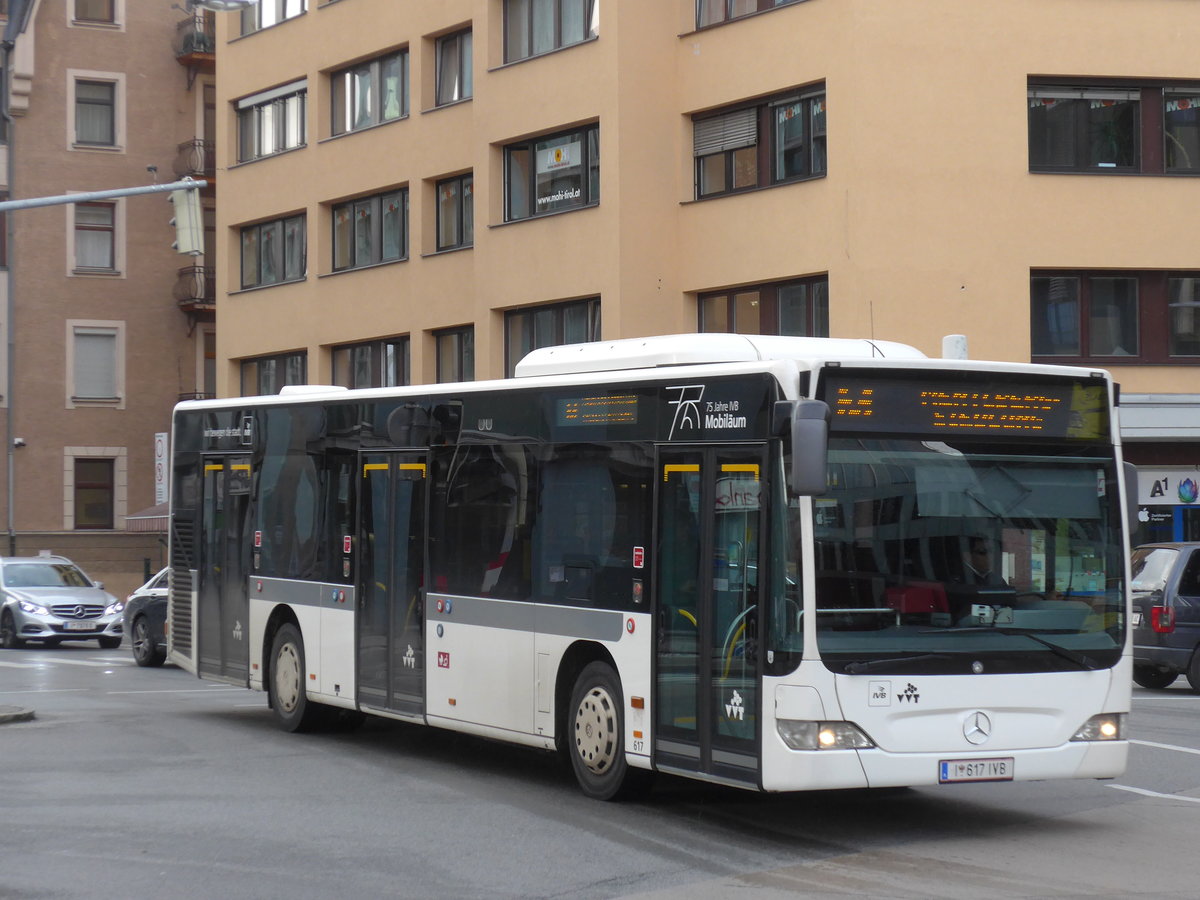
(188, 221)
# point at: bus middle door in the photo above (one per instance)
(390, 617)
(707, 673)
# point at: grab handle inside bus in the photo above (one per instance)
(810, 447)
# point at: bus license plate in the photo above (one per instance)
(79, 626)
(954, 770)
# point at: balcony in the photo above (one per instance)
(196, 45)
(196, 291)
(196, 158)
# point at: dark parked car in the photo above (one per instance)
(48, 599)
(145, 618)
(1166, 614)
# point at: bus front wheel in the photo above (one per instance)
(293, 710)
(596, 734)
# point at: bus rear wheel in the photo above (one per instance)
(596, 735)
(289, 698)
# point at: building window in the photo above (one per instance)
(96, 372)
(273, 252)
(732, 156)
(373, 364)
(713, 12)
(453, 67)
(267, 374)
(455, 354)
(370, 230)
(798, 307)
(552, 173)
(370, 93)
(1144, 128)
(270, 12)
(95, 113)
(1119, 317)
(271, 121)
(533, 27)
(576, 322)
(95, 236)
(94, 493)
(456, 212)
(100, 12)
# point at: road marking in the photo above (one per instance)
(80, 662)
(11, 665)
(1146, 793)
(1162, 697)
(1166, 747)
(211, 690)
(48, 691)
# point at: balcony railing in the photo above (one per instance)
(195, 35)
(196, 158)
(196, 289)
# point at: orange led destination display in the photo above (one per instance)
(964, 405)
(611, 409)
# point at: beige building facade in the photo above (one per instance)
(414, 192)
(108, 325)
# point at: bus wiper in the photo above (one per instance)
(857, 668)
(1081, 660)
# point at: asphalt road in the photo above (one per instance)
(146, 782)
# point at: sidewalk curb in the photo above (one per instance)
(14, 714)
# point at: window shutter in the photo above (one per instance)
(95, 363)
(726, 132)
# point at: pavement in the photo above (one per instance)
(14, 714)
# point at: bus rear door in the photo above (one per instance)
(224, 608)
(391, 580)
(710, 518)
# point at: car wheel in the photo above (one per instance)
(289, 698)
(596, 735)
(145, 649)
(8, 632)
(109, 643)
(1193, 672)
(1155, 679)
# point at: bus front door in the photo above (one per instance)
(391, 578)
(707, 680)
(224, 607)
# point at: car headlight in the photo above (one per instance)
(115, 607)
(34, 609)
(1104, 727)
(804, 735)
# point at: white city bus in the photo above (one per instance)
(740, 559)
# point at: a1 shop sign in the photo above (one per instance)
(1169, 487)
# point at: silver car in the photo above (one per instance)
(49, 599)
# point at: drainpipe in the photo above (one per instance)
(10, 375)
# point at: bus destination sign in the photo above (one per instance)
(1066, 408)
(609, 409)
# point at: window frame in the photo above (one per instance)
(729, 9)
(343, 97)
(282, 111)
(1153, 316)
(462, 88)
(589, 169)
(455, 354)
(251, 367)
(107, 487)
(267, 227)
(80, 373)
(107, 228)
(723, 136)
(112, 18)
(463, 207)
(589, 20)
(770, 301)
(251, 17)
(376, 206)
(114, 85)
(532, 319)
(389, 363)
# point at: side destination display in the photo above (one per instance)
(961, 405)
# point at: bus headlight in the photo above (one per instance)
(1104, 727)
(803, 735)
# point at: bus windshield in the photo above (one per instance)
(967, 557)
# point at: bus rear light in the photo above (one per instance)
(1162, 619)
(803, 735)
(1104, 727)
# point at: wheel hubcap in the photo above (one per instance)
(287, 677)
(596, 730)
(140, 640)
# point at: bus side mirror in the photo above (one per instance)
(809, 421)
